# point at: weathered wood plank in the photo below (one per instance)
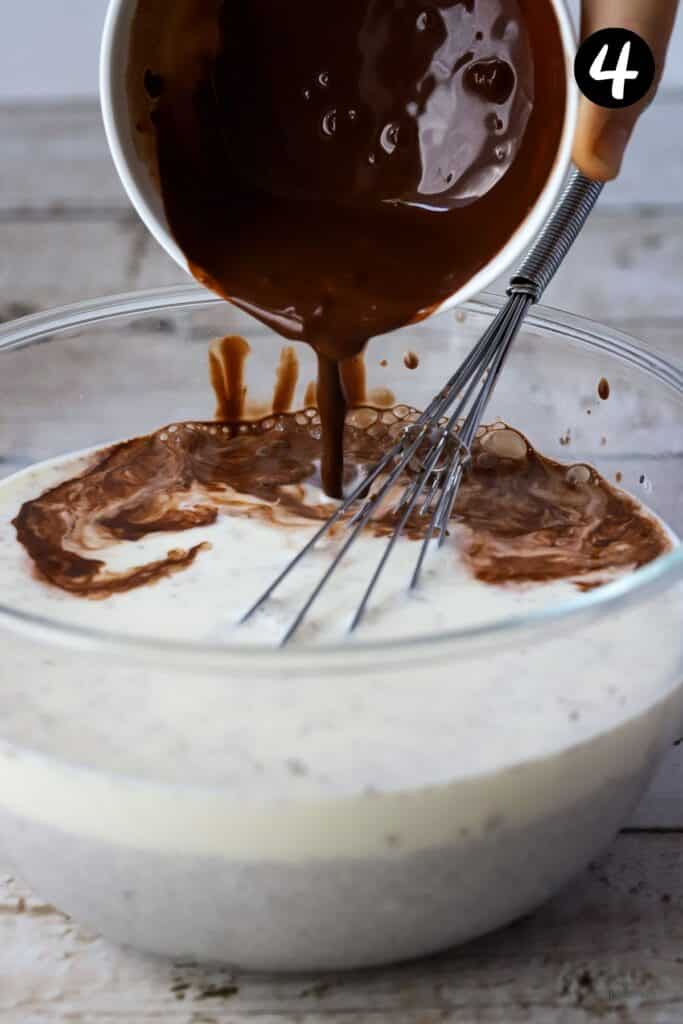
(651, 173)
(157, 269)
(624, 267)
(608, 948)
(480, 1015)
(46, 264)
(55, 159)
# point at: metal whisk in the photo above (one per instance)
(441, 439)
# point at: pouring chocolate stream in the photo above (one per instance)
(338, 170)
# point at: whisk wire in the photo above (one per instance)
(518, 307)
(414, 492)
(469, 389)
(410, 497)
(399, 453)
(510, 322)
(357, 524)
(324, 529)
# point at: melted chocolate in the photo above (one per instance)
(338, 169)
(227, 360)
(523, 518)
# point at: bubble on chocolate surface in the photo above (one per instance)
(493, 80)
(505, 443)
(329, 123)
(362, 418)
(390, 136)
(579, 474)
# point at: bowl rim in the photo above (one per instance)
(651, 579)
(142, 194)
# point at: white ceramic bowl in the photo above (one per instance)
(144, 194)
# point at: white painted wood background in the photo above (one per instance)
(610, 948)
(48, 48)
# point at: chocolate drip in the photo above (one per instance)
(519, 517)
(286, 380)
(332, 405)
(338, 169)
(227, 361)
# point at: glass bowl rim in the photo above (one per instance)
(657, 576)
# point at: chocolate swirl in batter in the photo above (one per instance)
(339, 168)
(520, 517)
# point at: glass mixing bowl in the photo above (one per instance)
(351, 804)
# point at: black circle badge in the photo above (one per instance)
(614, 68)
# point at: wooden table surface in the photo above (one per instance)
(610, 947)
